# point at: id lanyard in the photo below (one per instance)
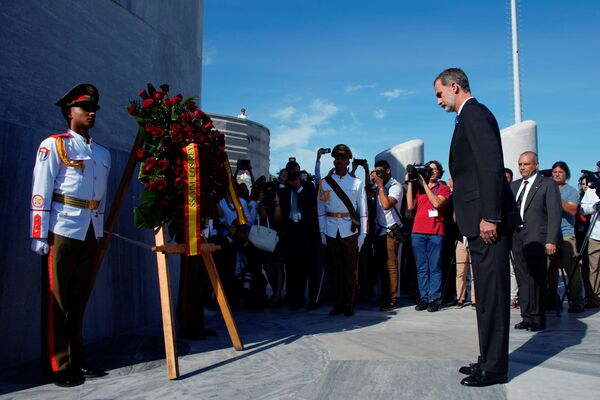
(433, 212)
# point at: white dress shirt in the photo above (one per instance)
(530, 181)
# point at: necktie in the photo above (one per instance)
(294, 204)
(520, 198)
(456, 119)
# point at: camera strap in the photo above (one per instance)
(344, 198)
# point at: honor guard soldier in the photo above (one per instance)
(67, 213)
(342, 209)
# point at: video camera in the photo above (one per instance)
(546, 172)
(593, 180)
(414, 170)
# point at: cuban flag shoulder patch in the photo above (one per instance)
(43, 153)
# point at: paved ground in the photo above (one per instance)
(310, 355)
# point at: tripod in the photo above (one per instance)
(579, 255)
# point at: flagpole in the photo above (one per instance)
(515, 49)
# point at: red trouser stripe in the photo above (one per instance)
(51, 352)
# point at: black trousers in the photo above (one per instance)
(300, 259)
(193, 292)
(530, 270)
(492, 294)
(342, 254)
(67, 281)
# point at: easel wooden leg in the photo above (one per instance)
(166, 305)
(217, 285)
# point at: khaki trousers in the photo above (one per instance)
(386, 247)
(594, 254)
(463, 261)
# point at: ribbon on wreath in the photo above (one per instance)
(241, 217)
(193, 230)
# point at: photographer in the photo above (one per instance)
(428, 198)
(590, 204)
(388, 200)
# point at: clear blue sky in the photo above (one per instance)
(319, 72)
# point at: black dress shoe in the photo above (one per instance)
(470, 369)
(533, 327)
(68, 378)
(390, 306)
(336, 311)
(434, 306)
(522, 325)
(421, 305)
(484, 378)
(90, 372)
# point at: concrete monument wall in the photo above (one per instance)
(515, 140)
(46, 48)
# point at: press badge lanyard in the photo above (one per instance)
(433, 213)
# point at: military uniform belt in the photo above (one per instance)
(338, 214)
(75, 202)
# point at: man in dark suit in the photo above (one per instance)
(486, 214)
(301, 235)
(538, 200)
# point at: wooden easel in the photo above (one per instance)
(162, 249)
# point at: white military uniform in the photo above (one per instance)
(51, 175)
(329, 203)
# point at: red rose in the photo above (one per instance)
(132, 110)
(151, 161)
(179, 183)
(177, 136)
(164, 87)
(161, 184)
(198, 114)
(147, 103)
(140, 153)
(168, 103)
(158, 132)
(187, 117)
(163, 164)
(177, 99)
(143, 94)
(158, 95)
(190, 105)
(179, 171)
(150, 186)
(208, 125)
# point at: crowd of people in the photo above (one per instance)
(407, 241)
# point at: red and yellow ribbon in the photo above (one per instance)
(193, 230)
(241, 217)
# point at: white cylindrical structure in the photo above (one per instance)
(516, 139)
(515, 48)
(401, 155)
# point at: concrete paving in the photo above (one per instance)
(310, 355)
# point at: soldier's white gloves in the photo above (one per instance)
(361, 240)
(323, 239)
(40, 246)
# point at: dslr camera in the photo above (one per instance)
(360, 162)
(414, 170)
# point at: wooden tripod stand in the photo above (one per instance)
(162, 249)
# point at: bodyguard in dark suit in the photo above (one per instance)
(486, 214)
(538, 200)
(300, 226)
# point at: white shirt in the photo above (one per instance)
(530, 181)
(230, 215)
(387, 218)
(51, 175)
(328, 201)
(462, 105)
(587, 206)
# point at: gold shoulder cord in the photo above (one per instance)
(62, 153)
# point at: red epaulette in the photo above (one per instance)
(66, 134)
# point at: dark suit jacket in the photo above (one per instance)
(477, 168)
(307, 205)
(542, 213)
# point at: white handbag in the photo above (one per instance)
(263, 237)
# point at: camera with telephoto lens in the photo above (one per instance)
(593, 180)
(414, 170)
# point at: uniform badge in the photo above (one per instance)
(90, 90)
(37, 201)
(43, 153)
